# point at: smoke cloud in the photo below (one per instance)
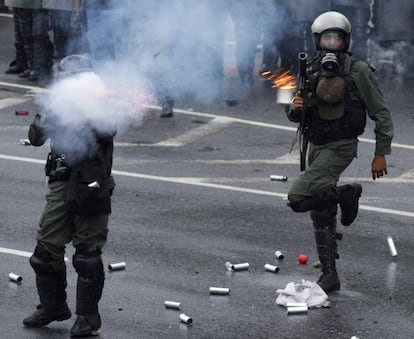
(143, 52)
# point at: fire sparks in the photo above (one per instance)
(281, 78)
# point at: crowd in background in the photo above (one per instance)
(179, 41)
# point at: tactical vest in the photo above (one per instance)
(351, 123)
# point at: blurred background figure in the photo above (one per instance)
(107, 29)
(23, 21)
(42, 46)
(245, 15)
(272, 15)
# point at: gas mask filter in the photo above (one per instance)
(330, 62)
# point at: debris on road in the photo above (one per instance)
(117, 267)
(219, 290)
(271, 268)
(391, 246)
(172, 304)
(279, 255)
(186, 319)
(15, 277)
(302, 259)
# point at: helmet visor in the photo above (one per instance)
(332, 41)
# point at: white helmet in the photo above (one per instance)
(73, 64)
(331, 21)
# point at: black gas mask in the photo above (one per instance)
(330, 62)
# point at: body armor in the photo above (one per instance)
(353, 120)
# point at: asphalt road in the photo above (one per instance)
(194, 192)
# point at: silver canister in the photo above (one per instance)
(172, 304)
(297, 310)
(279, 255)
(391, 246)
(15, 277)
(296, 305)
(240, 267)
(284, 96)
(117, 267)
(219, 290)
(271, 268)
(278, 178)
(186, 319)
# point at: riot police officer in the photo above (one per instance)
(342, 90)
(77, 209)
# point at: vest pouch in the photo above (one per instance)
(88, 190)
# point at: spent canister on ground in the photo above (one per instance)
(240, 267)
(172, 304)
(391, 246)
(117, 266)
(186, 319)
(219, 290)
(15, 277)
(271, 268)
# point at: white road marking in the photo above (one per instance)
(6, 15)
(198, 182)
(19, 253)
(16, 252)
(23, 159)
(192, 135)
(12, 101)
(32, 89)
(280, 160)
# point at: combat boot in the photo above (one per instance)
(326, 247)
(52, 296)
(88, 293)
(86, 325)
(41, 317)
(349, 202)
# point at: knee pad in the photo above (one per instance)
(40, 267)
(323, 218)
(88, 265)
(43, 262)
(297, 204)
(40, 261)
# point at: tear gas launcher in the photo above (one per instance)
(303, 88)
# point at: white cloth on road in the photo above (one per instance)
(306, 292)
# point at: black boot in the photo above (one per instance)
(326, 246)
(52, 296)
(88, 294)
(349, 202)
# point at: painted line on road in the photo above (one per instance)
(32, 89)
(19, 253)
(35, 89)
(12, 101)
(4, 15)
(22, 159)
(197, 133)
(199, 183)
(16, 252)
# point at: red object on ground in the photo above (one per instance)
(22, 112)
(302, 259)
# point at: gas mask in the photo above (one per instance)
(330, 62)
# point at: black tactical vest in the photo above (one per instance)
(350, 124)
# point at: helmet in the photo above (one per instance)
(332, 22)
(73, 64)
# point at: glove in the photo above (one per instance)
(379, 167)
